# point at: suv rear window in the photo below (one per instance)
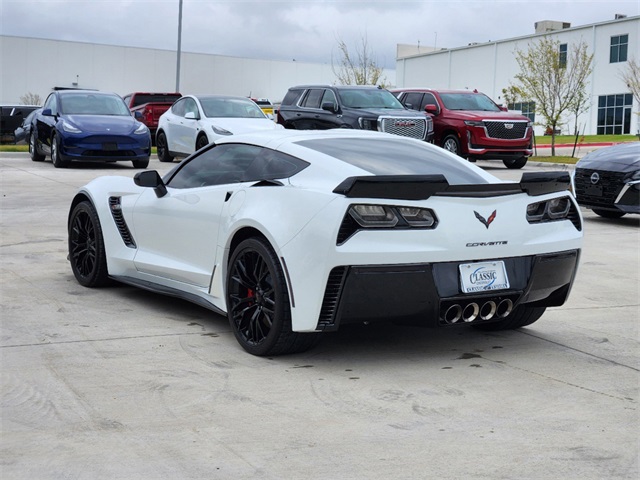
(292, 96)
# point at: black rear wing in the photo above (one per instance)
(421, 187)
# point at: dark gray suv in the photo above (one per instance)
(320, 107)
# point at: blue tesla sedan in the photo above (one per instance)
(88, 125)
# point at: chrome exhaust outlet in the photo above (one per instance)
(453, 314)
(488, 310)
(470, 312)
(504, 308)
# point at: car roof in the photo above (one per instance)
(84, 92)
(438, 90)
(339, 87)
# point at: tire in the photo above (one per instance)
(86, 247)
(258, 302)
(33, 149)
(57, 160)
(515, 163)
(163, 148)
(451, 144)
(519, 317)
(202, 142)
(608, 213)
(143, 163)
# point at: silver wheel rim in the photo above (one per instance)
(451, 146)
(54, 150)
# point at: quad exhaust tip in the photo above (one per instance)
(472, 311)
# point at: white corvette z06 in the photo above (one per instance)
(292, 233)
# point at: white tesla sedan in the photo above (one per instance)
(195, 121)
(293, 233)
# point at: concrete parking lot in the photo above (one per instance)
(119, 383)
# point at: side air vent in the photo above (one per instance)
(331, 299)
(116, 212)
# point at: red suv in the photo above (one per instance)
(470, 124)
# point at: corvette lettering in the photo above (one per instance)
(487, 244)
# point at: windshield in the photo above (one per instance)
(468, 101)
(230, 107)
(368, 98)
(92, 104)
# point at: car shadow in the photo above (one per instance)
(357, 343)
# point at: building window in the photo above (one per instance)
(619, 47)
(562, 55)
(528, 109)
(614, 114)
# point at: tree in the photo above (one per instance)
(631, 77)
(359, 69)
(31, 99)
(556, 86)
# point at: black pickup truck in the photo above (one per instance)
(320, 107)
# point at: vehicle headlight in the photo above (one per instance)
(633, 176)
(473, 123)
(368, 123)
(220, 130)
(561, 208)
(142, 129)
(67, 127)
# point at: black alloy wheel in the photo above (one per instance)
(202, 142)
(33, 149)
(86, 247)
(162, 147)
(258, 302)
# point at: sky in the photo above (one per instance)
(300, 30)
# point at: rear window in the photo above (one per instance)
(292, 97)
(139, 99)
(390, 156)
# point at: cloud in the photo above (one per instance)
(305, 30)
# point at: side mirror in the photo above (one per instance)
(503, 108)
(431, 109)
(47, 112)
(191, 116)
(138, 115)
(151, 179)
(329, 107)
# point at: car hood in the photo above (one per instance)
(113, 124)
(485, 115)
(624, 157)
(390, 112)
(242, 125)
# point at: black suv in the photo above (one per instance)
(320, 107)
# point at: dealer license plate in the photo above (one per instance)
(483, 277)
(110, 147)
(593, 190)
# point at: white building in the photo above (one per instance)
(490, 67)
(32, 65)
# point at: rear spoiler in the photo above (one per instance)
(421, 187)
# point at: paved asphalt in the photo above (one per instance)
(119, 383)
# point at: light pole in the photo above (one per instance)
(179, 47)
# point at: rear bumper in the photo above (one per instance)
(423, 293)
